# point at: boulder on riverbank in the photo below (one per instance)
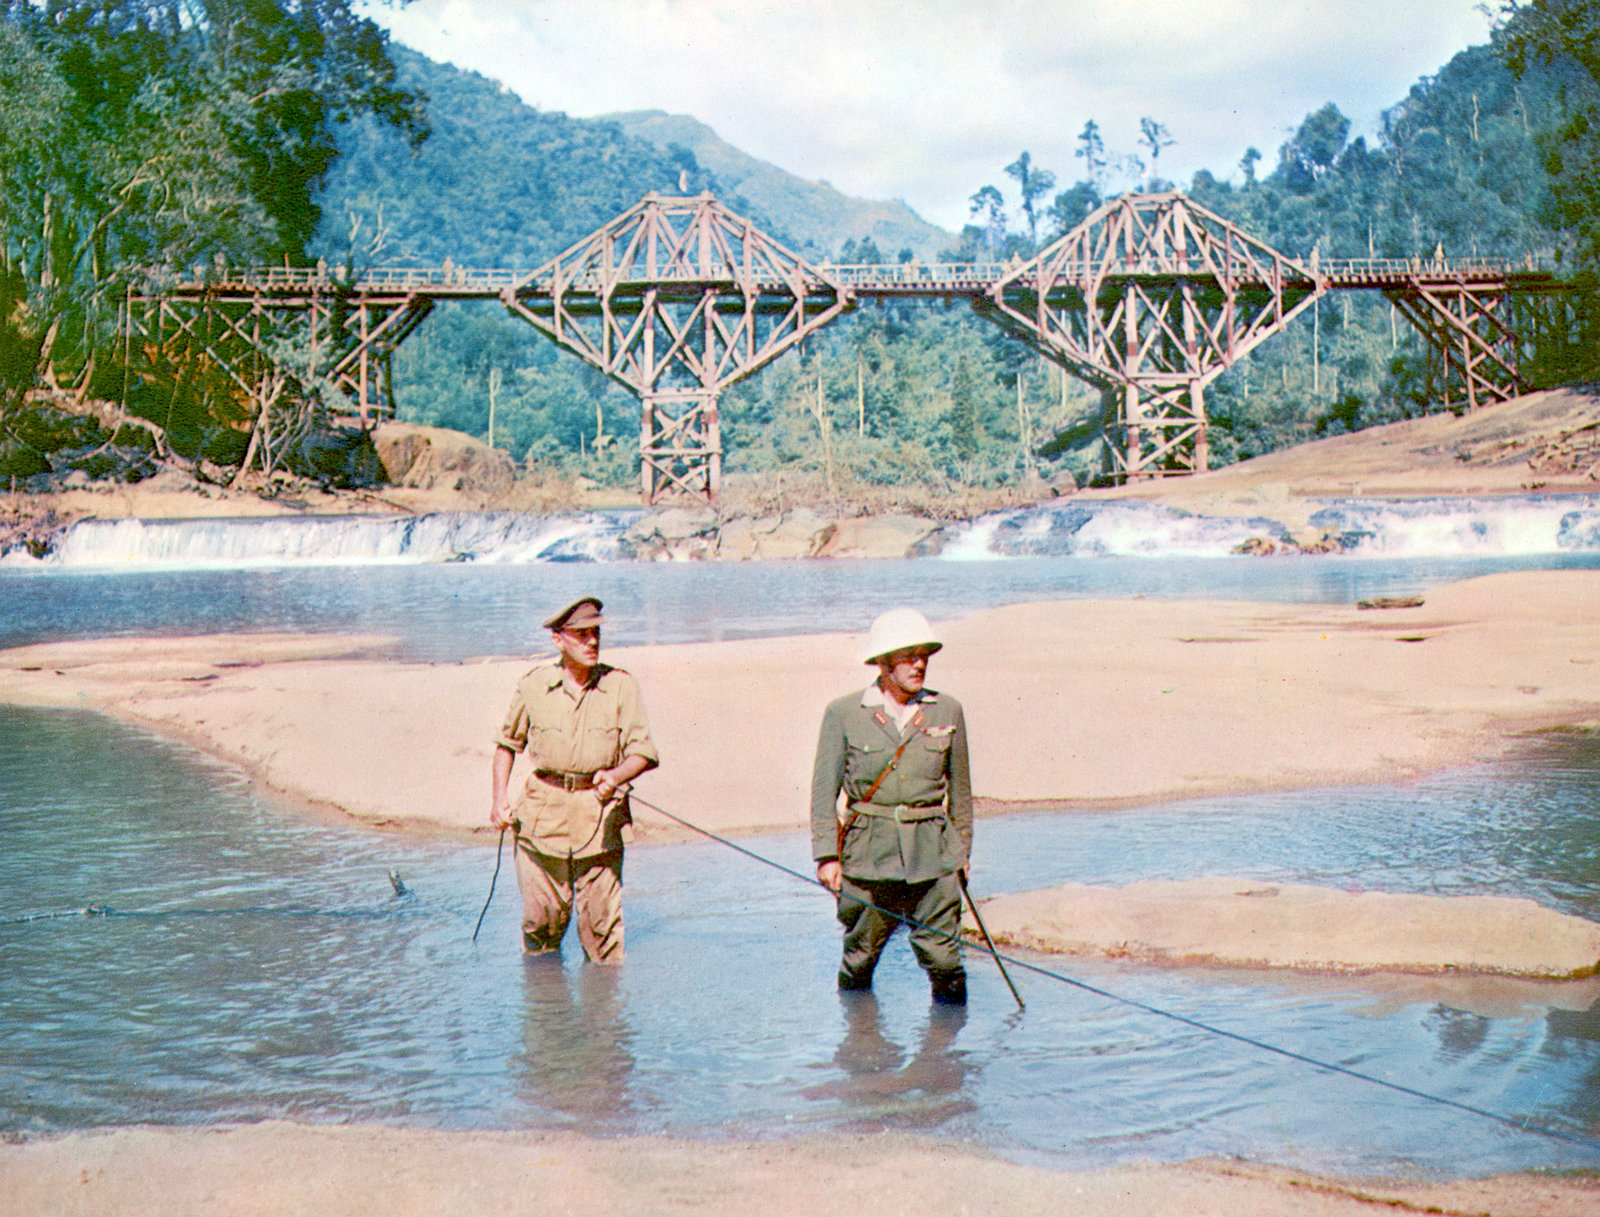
(432, 458)
(1249, 923)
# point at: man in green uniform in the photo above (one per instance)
(897, 751)
(583, 726)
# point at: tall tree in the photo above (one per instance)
(988, 206)
(1091, 151)
(1033, 183)
(1565, 35)
(1314, 148)
(139, 137)
(1154, 136)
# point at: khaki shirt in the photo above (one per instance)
(581, 734)
(918, 825)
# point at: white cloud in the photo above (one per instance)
(927, 100)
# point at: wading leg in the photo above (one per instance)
(866, 930)
(936, 938)
(598, 895)
(546, 887)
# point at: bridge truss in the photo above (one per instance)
(677, 299)
(1150, 299)
(279, 339)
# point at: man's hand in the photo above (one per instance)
(606, 785)
(500, 816)
(831, 875)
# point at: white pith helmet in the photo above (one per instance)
(897, 630)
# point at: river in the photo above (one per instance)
(242, 963)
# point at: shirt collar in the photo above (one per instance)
(558, 677)
(873, 696)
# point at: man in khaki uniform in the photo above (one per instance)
(898, 753)
(583, 727)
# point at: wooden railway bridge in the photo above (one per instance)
(1149, 299)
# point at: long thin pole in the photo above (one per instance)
(972, 904)
(498, 850)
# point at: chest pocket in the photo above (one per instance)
(927, 756)
(866, 753)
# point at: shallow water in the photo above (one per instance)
(257, 966)
(454, 611)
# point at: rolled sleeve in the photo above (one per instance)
(514, 731)
(634, 737)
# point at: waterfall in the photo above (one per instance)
(134, 544)
(1518, 526)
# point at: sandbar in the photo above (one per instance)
(1071, 704)
(275, 1168)
(1239, 922)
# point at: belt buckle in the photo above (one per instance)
(570, 782)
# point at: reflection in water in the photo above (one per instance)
(576, 1039)
(880, 1086)
(1576, 1024)
(1573, 1033)
(203, 1002)
(1460, 1034)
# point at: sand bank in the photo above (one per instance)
(1246, 923)
(1544, 443)
(1069, 703)
(354, 1171)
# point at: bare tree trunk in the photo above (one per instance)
(260, 445)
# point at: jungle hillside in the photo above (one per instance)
(140, 139)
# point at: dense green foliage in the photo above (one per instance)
(1563, 37)
(138, 137)
(1456, 168)
(497, 184)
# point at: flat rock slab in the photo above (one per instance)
(1249, 923)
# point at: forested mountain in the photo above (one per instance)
(914, 392)
(139, 138)
(496, 183)
(815, 218)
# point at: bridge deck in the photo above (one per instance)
(910, 279)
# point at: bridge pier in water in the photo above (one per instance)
(1150, 299)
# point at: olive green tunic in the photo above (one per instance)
(570, 734)
(919, 823)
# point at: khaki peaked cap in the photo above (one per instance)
(581, 614)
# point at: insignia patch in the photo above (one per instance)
(950, 730)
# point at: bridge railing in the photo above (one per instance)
(1472, 268)
(271, 279)
(907, 277)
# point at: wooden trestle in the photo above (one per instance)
(1150, 299)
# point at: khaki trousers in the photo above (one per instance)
(552, 885)
(935, 905)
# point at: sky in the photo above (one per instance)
(928, 100)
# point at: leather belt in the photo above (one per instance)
(565, 779)
(897, 811)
